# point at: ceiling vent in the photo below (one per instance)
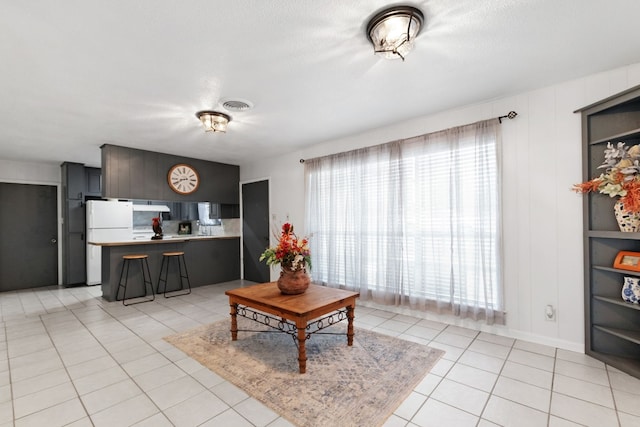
(237, 105)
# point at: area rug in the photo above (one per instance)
(361, 385)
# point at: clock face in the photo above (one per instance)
(183, 179)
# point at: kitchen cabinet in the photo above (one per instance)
(73, 180)
(129, 173)
(612, 326)
(93, 180)
(230, 211)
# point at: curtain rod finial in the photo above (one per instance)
(510, 115)
(301, 160)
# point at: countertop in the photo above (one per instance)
(166, 239)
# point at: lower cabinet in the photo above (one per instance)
(209, 261)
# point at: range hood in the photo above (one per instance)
(151, 208)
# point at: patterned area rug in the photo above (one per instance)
(359, 385)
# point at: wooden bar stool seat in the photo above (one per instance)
(183, 274)
(146, 279)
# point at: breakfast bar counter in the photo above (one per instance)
(209, 259)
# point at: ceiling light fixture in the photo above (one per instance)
(214, 121)
(393, 30)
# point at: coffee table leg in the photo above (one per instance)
(350, 315)
(234, 321)
(302, 351)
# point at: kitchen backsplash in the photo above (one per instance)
(229, 227)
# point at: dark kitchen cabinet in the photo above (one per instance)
(74, 184)
(73, 180)
(93, 179)
(230, 211)
(129, 173)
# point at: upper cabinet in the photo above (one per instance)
(138, 174)
(73, 181)
(93, 178)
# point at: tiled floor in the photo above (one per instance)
(67, 357)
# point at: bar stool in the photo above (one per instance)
(183, 275)
(146, 278)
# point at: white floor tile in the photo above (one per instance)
(627, 402)
(58, 415)
(535, 348)
(35, 402)
(473, 377)
(41, 382)
(482, 361)
(196, 410)
(428, 384)
(228, 418)
(125, 413)
(496, 339)
(523, 393)
(451, 353)
(582, 372)
(594, 393)
(624, 382)
(534, 360)
(582, 412)
(528, 374)
(175, 392)
(507, 413)
(460, 396)
(410, 406)
(490, 349)
(438, 414)
(572, 356)
(561, 422)
(627, 420)
(229, 393)
(255, 412)
(111, 395)
(453, 339)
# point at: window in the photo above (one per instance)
(413, 222)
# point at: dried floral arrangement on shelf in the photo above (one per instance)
(621, 176)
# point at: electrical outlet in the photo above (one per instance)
(550, 313)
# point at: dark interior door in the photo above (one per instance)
(255, 230)
(29, 244)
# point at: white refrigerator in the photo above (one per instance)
(107, 221)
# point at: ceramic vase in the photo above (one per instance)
(627, 221)
(631, 289)
(293, 282)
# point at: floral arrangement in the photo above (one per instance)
(621, 177)
(291, 252)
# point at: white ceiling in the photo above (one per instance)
(76, 74)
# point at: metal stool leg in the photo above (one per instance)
(125, 265)
(163, 265)
(185, 276)
(147, 280)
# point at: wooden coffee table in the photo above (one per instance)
(298, 315)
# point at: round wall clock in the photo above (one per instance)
(183, 179)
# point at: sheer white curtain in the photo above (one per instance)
(412, 222)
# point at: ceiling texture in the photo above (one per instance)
(76, 74)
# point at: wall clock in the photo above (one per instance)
(183, 179)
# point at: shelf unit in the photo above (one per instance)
(612, 326)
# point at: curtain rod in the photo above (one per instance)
(510, 115)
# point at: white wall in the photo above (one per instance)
(542, 218)
(41, 174)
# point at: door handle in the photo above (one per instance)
(54, 240)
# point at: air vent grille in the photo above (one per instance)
(237, 105)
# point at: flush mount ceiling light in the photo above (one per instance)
(393, 30)
(214, 121)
